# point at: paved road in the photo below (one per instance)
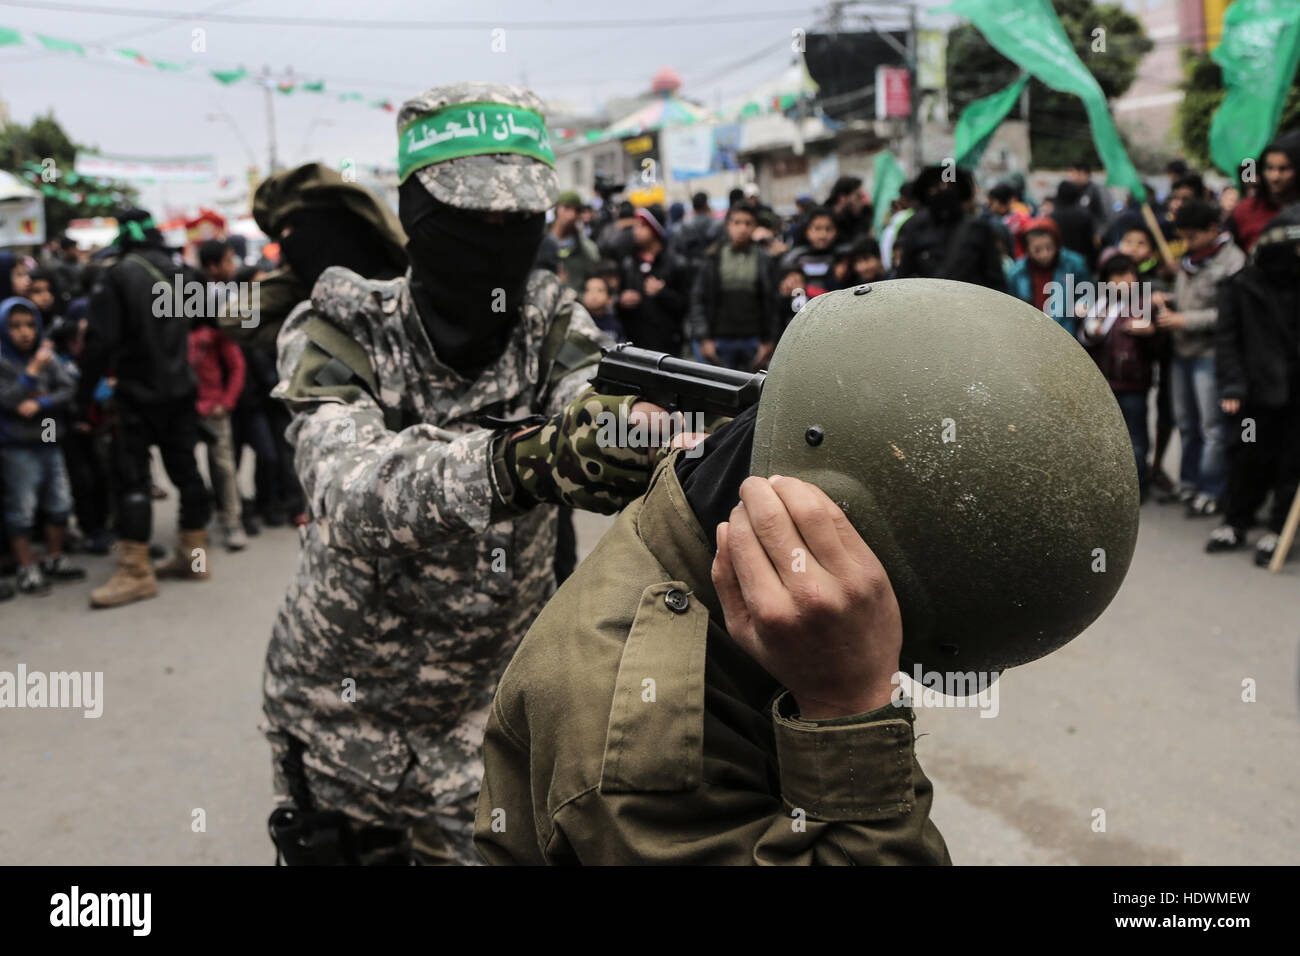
(1141, 718)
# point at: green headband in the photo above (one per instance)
(472, 129)
(134, 230)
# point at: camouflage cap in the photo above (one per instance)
(495, 182)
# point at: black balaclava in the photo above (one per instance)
(321, 237)
(711, 481)
(458, 262)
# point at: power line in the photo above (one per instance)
(355, 24)
(131, 34)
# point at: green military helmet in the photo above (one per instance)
(976, 448)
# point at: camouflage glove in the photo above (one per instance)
(576, 458)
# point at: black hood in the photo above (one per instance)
(712, 479)
(1274, 254)
(468, 275)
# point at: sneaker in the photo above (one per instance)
(31, 581)
(1265, 548)
(1186, 495)
(61, 569)
(1202, 506)
(236, 539)
(1225, 538)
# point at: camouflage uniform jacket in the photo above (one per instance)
(408, 582)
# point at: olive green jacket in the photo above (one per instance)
(630, 728)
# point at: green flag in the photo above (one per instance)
(317, 87)
(1259, 53)
(1028, 33)
(980, 120)
(10, 37)
(226, 77)
(62, 46)
(888, 179)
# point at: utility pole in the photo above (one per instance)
(270, 120)
(914, 117)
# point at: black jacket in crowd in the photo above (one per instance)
(964, 250)
(148, 353)
(1257, 339)
(1077, 227)
(704, 297)
(656, 323)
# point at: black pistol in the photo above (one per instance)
(676, 384)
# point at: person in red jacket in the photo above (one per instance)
(219, 367)
(1278, 187)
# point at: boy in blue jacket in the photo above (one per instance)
(35, 391)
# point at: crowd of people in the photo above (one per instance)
(81, 406)
(1201, 309)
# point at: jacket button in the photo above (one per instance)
(677, 600)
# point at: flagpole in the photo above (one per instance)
(1157, 235)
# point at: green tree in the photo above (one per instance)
(46, 139)
(1203, 91)
(1058, 126)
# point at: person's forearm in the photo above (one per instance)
(390, 493)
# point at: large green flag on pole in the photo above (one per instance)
(1028, 33)
(888, 180)
(980, 120)
(1259, 53)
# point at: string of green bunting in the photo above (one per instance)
(91, 192)
(12, 37)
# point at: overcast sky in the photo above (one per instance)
(130, 109)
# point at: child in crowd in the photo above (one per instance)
(1136, 242)
(1190, 315)
(600, 304)
(41, 290)
(1119, 334)
(867, 263)
(1040, 277)
(812, 264)
(35, 392)
(219, 367)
